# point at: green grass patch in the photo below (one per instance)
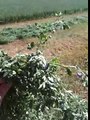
(16, 10)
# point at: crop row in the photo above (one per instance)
(11, 34)
(16, 10)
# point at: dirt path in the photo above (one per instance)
(59, 48)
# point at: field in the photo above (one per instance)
(70, 46)
(16, 10)
(45, 60)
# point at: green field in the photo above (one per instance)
(15, 10)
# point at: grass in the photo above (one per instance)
(75, 55)
(16, 10)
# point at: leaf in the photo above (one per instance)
(55, 61)
(43, 85)
(5, 74)
(30, 46)
(13, 72)
(69, 72)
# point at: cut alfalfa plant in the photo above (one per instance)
(37, 92)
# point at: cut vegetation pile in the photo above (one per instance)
(37, 93)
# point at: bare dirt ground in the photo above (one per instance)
(70, 46)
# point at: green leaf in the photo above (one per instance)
(30, 46)
(55, 61)
(69, 72)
